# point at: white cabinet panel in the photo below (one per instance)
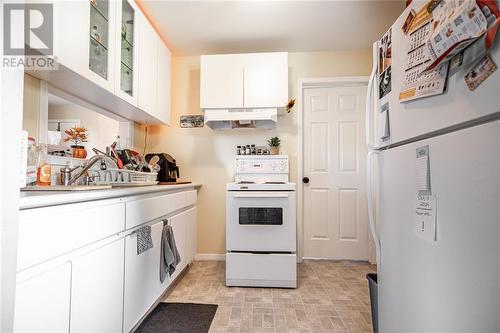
(180, 225)
(43, 302)
(221, 81)
(142, 277)
(127, 59)
(163, 83)
(149, 209)
(266, 80)
(97, 290)
(191, 234)
(72, 40)
(148, 65)
(53, 231)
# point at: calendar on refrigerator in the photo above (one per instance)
(417, 83)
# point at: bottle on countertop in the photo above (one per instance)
(248, 151)
(252, 149)
(238, 150)
(32, 162)
(44, 172)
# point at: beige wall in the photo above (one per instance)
(102, 131)
(31, 106)
(206, 156)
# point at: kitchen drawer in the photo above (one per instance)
(277, 270)
(45, 233)
(151, 208)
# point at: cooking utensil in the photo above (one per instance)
(153, 163)
(119, 162)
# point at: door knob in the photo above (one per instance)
(305, 180)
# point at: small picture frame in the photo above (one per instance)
(192, 121)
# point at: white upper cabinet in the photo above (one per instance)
(126, 62)
(254, 80)
(266, 80)
(154, 74)
(84, 39)
(148, 49)
(163, 86)
(221, 81)
(109, 55)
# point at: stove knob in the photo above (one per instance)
(282, 168)
(282, 162)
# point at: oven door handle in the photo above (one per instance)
(255, 195)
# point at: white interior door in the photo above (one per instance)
(335, 211)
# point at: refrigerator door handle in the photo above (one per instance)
(371, 215)
(369, 100)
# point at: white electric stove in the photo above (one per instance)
(261, 224)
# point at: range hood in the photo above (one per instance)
(220, 119)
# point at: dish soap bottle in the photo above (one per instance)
(43, 174)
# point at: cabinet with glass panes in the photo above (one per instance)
(99, 37)
(127, 48)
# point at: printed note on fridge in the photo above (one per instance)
(425, 217)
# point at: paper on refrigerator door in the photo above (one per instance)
(425, 217)
(422, 166)
(383, 122)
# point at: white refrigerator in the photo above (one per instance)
(436, 165)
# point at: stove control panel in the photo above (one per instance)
(266, 164)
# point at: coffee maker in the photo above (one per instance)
(169, 171)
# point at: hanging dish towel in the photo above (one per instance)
(144, 241)
(170, 257)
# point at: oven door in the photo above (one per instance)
(260, 221)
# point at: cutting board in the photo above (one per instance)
(67, 188)
(175, 183)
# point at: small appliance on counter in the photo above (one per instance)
(169, 171)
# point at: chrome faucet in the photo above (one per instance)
(93, 160)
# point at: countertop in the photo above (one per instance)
(44, 198)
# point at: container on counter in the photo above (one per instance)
(253, 151)
(238, 150)
(248, 150)
(44, 172)
(32, 162)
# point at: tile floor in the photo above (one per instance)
(332, 296)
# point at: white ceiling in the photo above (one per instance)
(208, 27)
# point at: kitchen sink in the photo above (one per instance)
(67, 188)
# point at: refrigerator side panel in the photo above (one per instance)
(408, 120)
(452, 284)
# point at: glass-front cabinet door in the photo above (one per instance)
(127, 50)
(99, 37)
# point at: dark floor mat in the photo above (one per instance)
(179, 318)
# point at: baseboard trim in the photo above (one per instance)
(210, 257)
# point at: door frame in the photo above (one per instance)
(302, 85)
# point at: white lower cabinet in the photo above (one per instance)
(179, 225)
(191, 234)
(142, 277)
(43, 302)
(97, 282)
(97, 290)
